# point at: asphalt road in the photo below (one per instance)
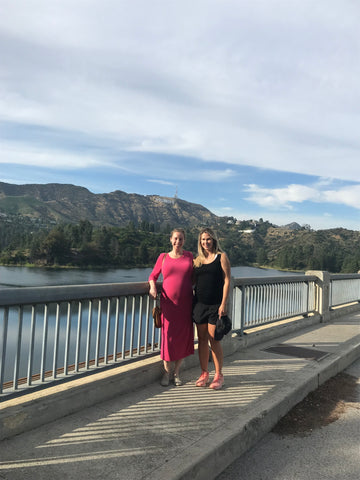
(320, 440)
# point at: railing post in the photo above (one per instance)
(323, 301)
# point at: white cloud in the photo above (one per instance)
(285, 197)
(161, 182)
(270, 84)
(53, 159)
(349, 196)
(281, 197)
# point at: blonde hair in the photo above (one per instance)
(216, 246)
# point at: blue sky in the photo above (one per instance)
(250, 108)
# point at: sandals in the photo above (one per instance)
(218, 382)
(177, 380)
(165, 380)
(203, 380)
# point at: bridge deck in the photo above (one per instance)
(185, 432)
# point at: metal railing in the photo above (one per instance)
(48, 333)
(53, 333)
(258, 301)
(344, 289)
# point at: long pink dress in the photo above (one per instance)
(177, 331)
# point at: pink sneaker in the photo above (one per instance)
(218, 382)
(203, 380)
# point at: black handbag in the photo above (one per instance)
(223, 327)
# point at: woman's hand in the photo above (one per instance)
(222, 310)
(153, 291)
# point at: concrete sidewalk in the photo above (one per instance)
(184, 432)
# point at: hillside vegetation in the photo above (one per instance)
(23, 241)
(67, 225)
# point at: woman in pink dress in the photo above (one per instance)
(177, 332)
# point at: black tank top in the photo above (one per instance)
(209, 282)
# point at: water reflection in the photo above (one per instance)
(33, 277)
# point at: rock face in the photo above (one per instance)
(292, 226)
(71, 203)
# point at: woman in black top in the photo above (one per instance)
(212, 283)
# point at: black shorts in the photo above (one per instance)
(205, 313)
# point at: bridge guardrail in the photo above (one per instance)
(52, 333)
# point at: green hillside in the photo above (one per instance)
(25, 241)
(57, 224)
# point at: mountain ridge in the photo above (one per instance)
(56, 202)
(63, 224)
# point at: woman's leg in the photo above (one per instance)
(217, 351)
(166, 377)
(177, 367)
(167, 366)
(177, 380)
(203, 341)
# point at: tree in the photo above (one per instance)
(350, 264)
(261, 257)
(143, 253)
(55, 247)
(86, 231)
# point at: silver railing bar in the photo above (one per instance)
(63, 293)
(3, 331)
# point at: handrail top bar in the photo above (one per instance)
(270, 280)
(64, 293)
(344, 276)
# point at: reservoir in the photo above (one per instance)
(13, 277)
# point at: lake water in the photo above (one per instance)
(11, 277)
